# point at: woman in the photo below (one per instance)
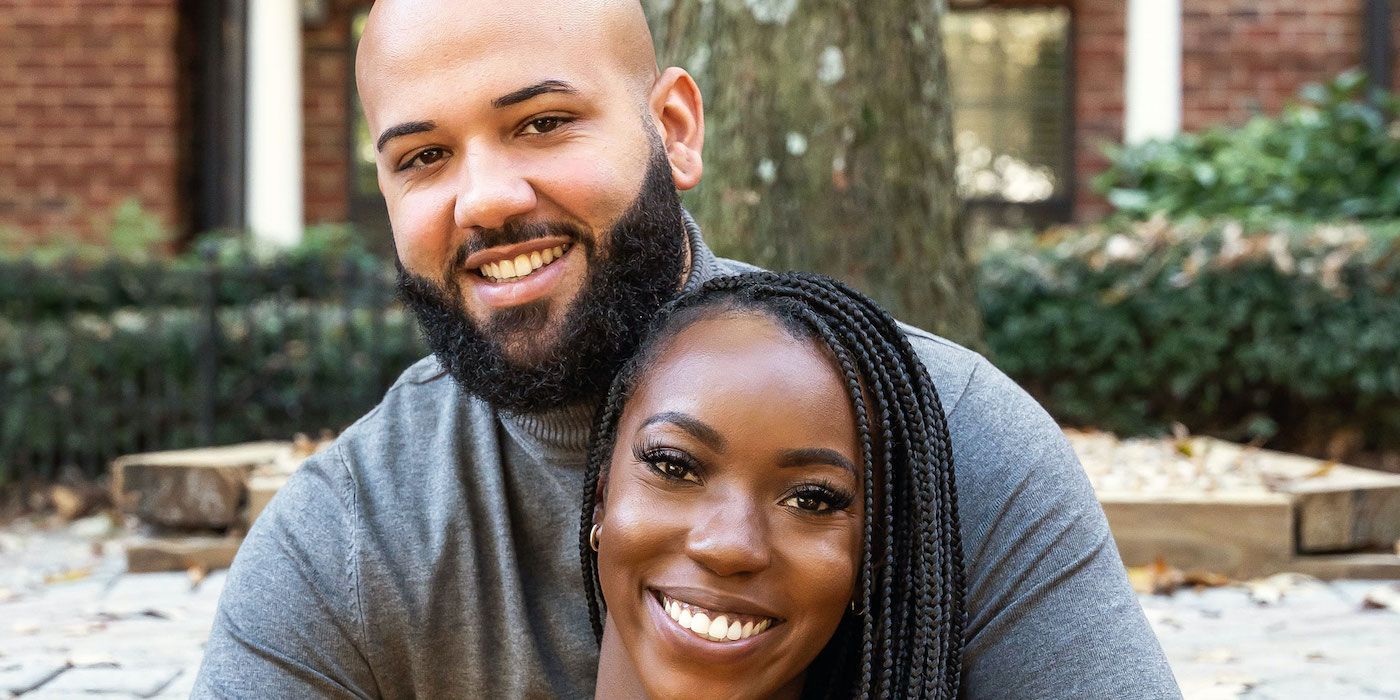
(769, 504)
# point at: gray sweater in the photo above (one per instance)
(431, 551)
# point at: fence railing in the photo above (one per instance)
(99, 360)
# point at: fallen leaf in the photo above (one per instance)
(68, 575)
(1270, 590)
(1322, 470)
(1383, 597)
(1156, 578)
(197, 574)
(1316, 656)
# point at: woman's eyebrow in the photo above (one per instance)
(815, 455)
(692, 425)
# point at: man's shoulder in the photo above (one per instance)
(407, 429)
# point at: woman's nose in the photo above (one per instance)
(731, 540)
(490, 191)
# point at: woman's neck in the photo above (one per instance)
(617, 678)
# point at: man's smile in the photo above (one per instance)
(518, 274)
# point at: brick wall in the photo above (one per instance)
(327, 68)
(1100, 70)
(1247, 57)
(89, 113)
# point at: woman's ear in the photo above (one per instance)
(600, 495)
(679, 114)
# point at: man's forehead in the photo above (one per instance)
(407, 41)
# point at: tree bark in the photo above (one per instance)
(829, 145)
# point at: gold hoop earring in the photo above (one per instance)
(593, 536)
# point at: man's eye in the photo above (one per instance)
(425, 157)
(674, 470)
(543, 125)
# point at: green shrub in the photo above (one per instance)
(1333, 155)
(1288, 332)
(54, 282)
(85, 388)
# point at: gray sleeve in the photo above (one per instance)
(1050, 611)
(289, 622)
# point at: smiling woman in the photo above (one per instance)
(769, 504)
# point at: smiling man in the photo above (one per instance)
(531, 154)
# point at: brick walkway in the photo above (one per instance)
(73, 624)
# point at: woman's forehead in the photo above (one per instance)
(745, 372)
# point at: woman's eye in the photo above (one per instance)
(811, 502)
(543, 125)
(425, 157)
(674, 470)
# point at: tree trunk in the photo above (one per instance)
(829, 145)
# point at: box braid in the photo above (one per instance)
(906, 638)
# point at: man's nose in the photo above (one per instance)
(732, 539)
(491, 190)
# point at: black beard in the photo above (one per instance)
(632, 271)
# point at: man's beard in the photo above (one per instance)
(636, 271)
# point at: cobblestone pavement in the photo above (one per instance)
(72, 624)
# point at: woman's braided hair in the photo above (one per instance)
(906, 639)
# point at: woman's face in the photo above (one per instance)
(732, 512)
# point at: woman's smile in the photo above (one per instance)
(731, 521)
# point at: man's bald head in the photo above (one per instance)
(404, 33)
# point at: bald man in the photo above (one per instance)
(531, 154)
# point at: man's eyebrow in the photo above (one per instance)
(692, 425)
(403, 129)
(815, 455)
(525, 93)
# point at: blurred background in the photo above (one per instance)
(1176, 222)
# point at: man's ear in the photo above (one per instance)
(679, 114)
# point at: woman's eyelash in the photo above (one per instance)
(655, 456)
(834, 497)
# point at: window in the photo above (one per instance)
(1010, 75)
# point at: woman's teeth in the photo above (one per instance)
(713, 626)
(522, 264)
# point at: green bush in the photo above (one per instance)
(1288, 332)
(82, 389)
(1333, 155)
(60, 280)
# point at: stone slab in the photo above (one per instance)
(180, 553)
(140, 682)
(203, 488)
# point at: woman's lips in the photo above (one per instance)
(713, 625)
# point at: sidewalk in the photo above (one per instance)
(72, 623)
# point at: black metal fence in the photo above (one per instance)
(99, 360)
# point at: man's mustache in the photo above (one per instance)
(511, 234)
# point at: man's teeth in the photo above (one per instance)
(716, 627)
(522, 264)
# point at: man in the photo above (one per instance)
(530, 155)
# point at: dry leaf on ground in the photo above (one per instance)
(1158, 578)
(1383, 597)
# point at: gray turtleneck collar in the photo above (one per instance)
(561, 435)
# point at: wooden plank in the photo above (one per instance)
(1241, 535)
(1339, 508)
(202, 488)
(1335, 566)
(180, 553)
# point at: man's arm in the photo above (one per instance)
(1050, 611)
(289, 622)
